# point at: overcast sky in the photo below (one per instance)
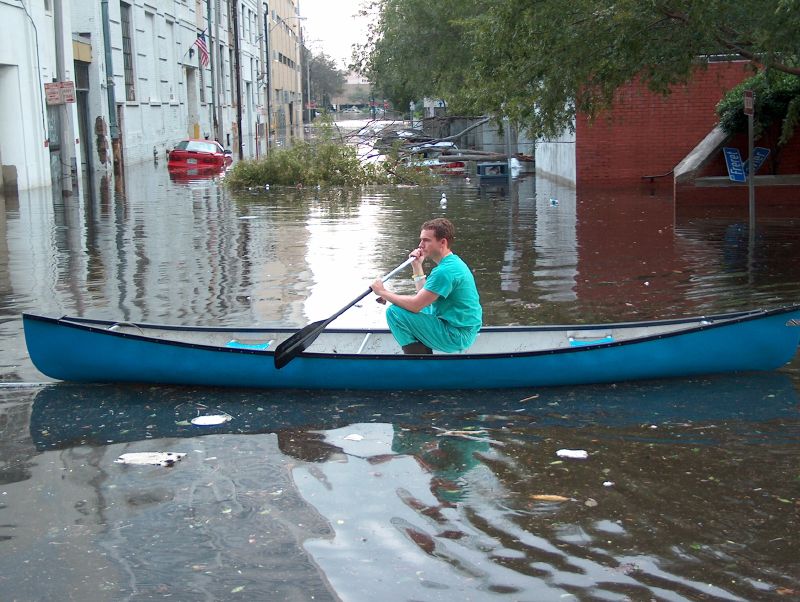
(332, 26)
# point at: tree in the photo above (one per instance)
(416, 48)
(325, 79)
(539, 62)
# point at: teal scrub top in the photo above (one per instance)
(459, 303)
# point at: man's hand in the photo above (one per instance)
(377, 287)
(418, 258)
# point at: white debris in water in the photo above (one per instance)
(150, 458)
(575, 454)
(354, 437)
(211, 420)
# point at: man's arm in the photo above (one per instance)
(413, 303)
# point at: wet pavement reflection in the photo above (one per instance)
(690, 490)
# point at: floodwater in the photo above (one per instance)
(691, 488)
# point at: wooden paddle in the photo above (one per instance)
(299, 341)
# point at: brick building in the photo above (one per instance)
(646, 136)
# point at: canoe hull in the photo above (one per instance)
(67, 349)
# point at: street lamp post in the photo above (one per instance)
(308, 81)
(266, 36)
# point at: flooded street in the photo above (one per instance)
(691, 487)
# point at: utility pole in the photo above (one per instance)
(260, 79)
(221, 79)
(110, 96)
(234, 14)
(67, 150)
(212, 45)
(267, 35)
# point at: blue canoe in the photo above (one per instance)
(86, 350)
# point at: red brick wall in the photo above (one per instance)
(647, 134)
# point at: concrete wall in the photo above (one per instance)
(555, 159)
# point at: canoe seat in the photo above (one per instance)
(583, 340)
(234, 344)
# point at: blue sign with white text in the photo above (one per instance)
(735, 166)
(760, 153)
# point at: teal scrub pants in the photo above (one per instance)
(409, 327)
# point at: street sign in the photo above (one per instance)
(735, 166)
(59, 93)
(52, 93)
(68, 91)
(749, 102)
(760, 154)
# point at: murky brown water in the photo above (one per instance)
(691, 490)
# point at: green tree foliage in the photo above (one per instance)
(325, 79)
(539, 62)
(417, 48)
(324, 161)
(777, 100)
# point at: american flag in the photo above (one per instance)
(200, 42)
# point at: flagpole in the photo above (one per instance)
(211, 51)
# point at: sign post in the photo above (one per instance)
(749, 110)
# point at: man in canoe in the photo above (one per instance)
(445, 313)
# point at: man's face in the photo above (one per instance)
(431, 247)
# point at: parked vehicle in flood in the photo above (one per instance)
(198, 154)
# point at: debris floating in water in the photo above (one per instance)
(545, 497)
(211, 420)
(354, 437)
(575, 454)
(151, 458)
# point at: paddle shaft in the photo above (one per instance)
(366, 292)
(298, 342)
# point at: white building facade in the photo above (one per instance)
(141, 83)
(37, 143)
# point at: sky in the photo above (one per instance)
(332, 26)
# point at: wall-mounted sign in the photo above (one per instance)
(59, 93)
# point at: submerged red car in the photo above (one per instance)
(198, 154)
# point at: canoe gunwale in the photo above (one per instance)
(694, 324)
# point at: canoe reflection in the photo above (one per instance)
(68, 415)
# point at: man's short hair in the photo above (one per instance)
(442, 228)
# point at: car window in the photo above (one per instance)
(199, 146)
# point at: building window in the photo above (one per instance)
(127, 50)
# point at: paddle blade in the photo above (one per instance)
(297, 343)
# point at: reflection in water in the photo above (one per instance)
(688, 492)
(192, 253)
(682, 497)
